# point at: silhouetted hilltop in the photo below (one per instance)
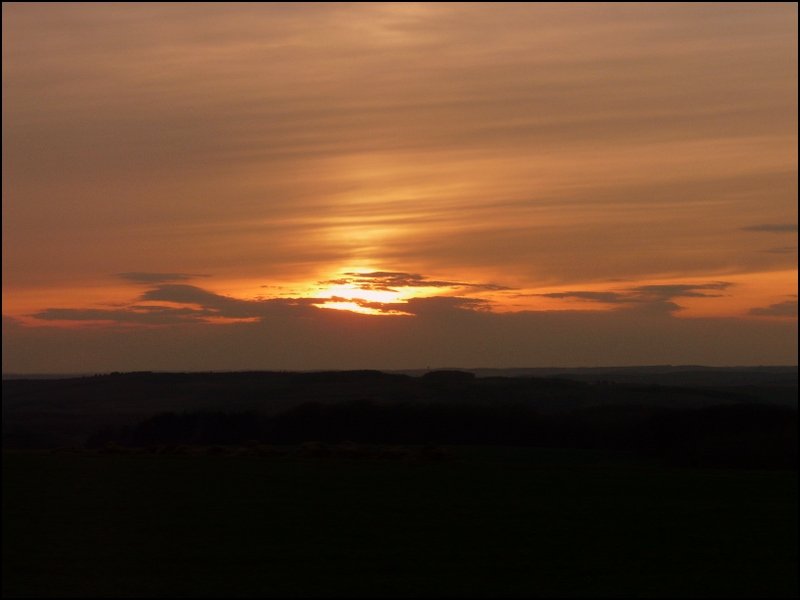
(680, 375)
(658, 374)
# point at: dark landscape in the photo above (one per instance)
(652, 482)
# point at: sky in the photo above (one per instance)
(226, 186)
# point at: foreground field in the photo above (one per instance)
(485, 522)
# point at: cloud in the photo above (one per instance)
(780, 309)
(605, 297)
(139, 277)
(194, 304)
(649, 298)
(11, 323)
(391, 280)
(142, 315)
(190, 294)
(444, 332)
(679, 290)
(207, 306)
(781, 250)
(430, 306)
(227, 306)
(772, 227)
(199, 305)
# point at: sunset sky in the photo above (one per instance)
(222, 186)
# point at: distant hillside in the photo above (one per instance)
(658, 374)
(680, 375)
(52, 412)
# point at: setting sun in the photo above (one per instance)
(357, 297)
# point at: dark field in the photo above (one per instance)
(483, 522)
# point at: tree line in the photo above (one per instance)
(730, 435)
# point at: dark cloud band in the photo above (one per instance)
(141, 277)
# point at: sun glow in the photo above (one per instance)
(353, 291)
(354, 298)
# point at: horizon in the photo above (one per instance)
(413, 369)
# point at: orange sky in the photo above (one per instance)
(187, 174)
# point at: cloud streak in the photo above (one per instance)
(391, 281)
(193, 304)
(655, 298)
(198, 306)
(440, 335)
(782, 250)
(780, 309)
(773, 228)
(149, 278)
(141, 315)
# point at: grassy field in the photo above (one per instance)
(487, 522)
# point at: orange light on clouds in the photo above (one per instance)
(358, 308)
(353, 297)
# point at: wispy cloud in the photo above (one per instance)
(141, 315)
(227, 306)
(605, 297)
(430, 306)
(211, 304)
(656, 298)
(780, 309)
(150, 278)
(392, 280)
(781, 250)
(197, 305)
(773, 228)
(680, 290)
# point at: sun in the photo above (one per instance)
(355, 298)
(354, 292)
